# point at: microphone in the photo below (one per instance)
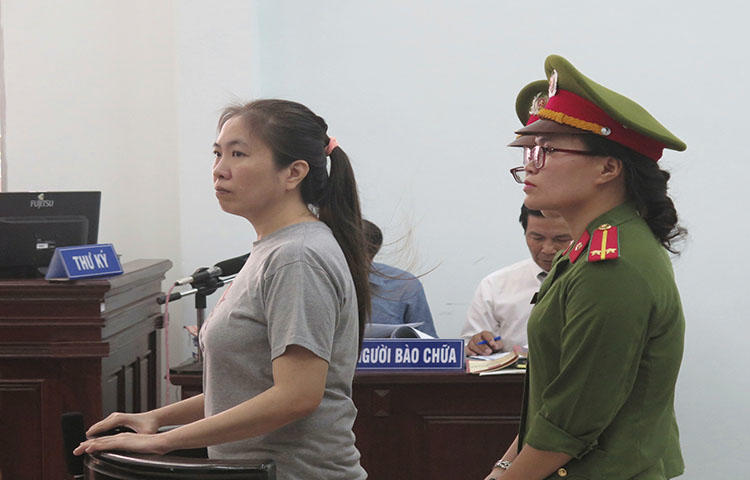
(225, 267)
(200, 275)
(73, 434)
(233, 265)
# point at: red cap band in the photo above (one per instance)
(569, 109)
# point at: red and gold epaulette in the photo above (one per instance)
(577, 248)
(604, 244)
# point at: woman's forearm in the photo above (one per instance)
(264, 413)
(512, 452)
(180, 413)
(299, 385)
(292, 398)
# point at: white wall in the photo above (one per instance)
(214, 59)
(420, 94)
(91, 105)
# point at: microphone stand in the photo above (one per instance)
(201, 290)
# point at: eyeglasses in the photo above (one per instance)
(519, 174)
(538, 154)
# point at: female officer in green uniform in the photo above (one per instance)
(606, 333)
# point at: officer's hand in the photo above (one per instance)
(483, 343)
(495, 474)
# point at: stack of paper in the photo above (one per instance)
(484, 364)
(387, 330)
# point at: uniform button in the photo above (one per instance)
(562, 472)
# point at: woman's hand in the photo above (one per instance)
(132, 442)
(489, 346)
(144, 424)
(139, 422)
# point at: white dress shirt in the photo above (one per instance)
(502, 303)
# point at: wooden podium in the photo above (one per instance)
(88, 346)
(422, 425)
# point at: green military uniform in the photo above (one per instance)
(606, 334)
(605, 346)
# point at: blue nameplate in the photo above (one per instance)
(86, 261)
(411, 354)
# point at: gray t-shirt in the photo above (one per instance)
(295, 289)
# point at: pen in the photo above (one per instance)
(484, 342)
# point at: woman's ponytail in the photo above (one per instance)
(339, 209)
(646, 186)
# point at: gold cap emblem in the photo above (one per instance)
(539, 102)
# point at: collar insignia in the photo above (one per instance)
(605, 244)
(579, 246)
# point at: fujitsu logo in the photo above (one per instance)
(40, 202)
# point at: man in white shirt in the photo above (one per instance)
(502, 301)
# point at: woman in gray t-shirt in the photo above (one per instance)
(281, 345)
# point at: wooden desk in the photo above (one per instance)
(423, 425)
(88, 346)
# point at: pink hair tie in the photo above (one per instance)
(332, 143)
